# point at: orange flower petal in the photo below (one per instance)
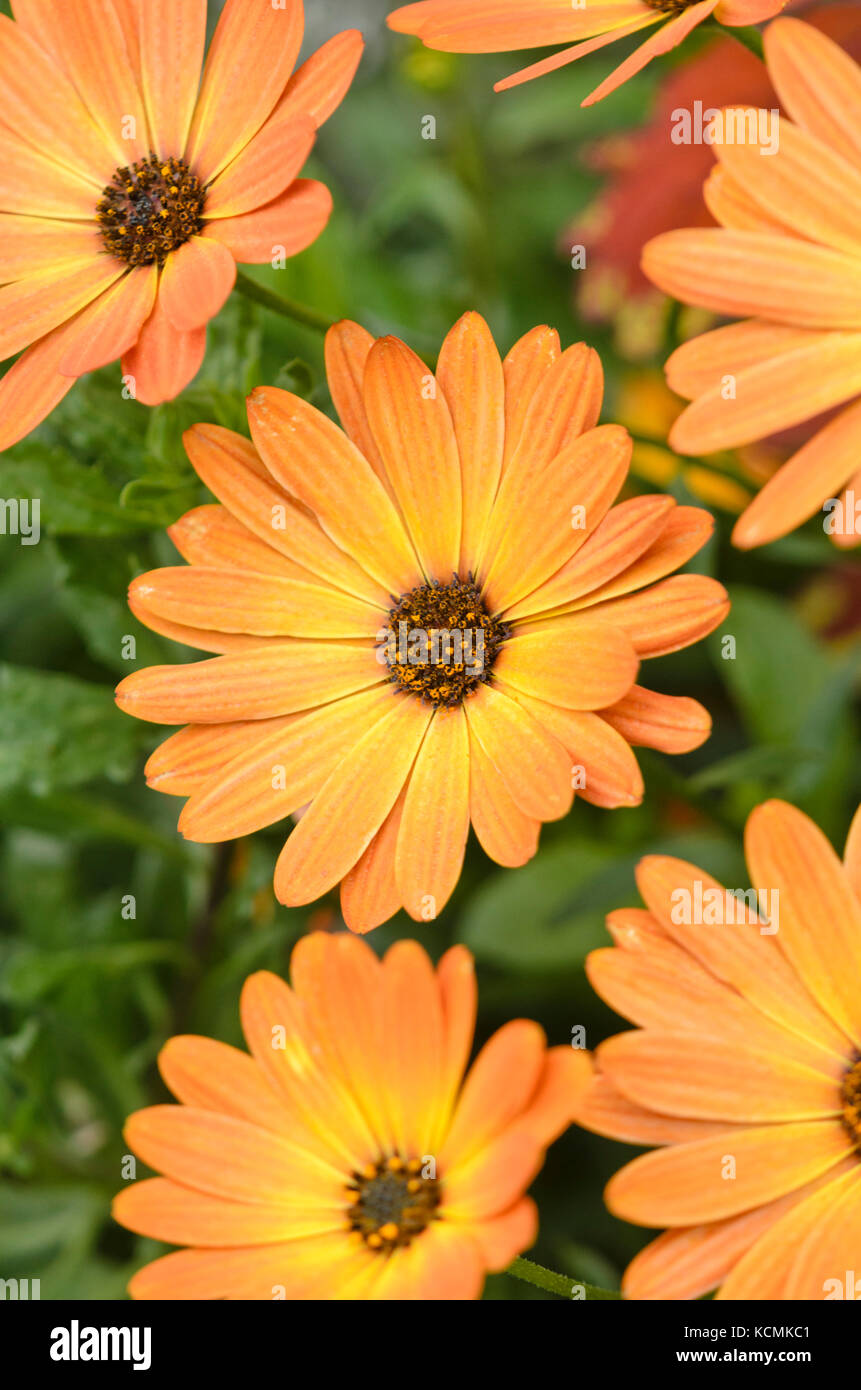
(685, 1184)
(757, 273)
(164, 1210)
(163, 362)
(413, 429)
(829, 1248)
(413, 1074)
(49, 114)
(731, 206)
(255, 684)
(624, 533)
(347, 348)
(247, 67)
(209, 1075)
(32, 245)
(279, 770)
(231, 468)
(33, 184)
(114, 324)
(817, 81)
(805, 183)
(649, 719)
(263, 169)
(668, 616)
(564, 1080)
(493, 1179)
(820, 916)
(533, 765)
(500, 1081)
(231, 1158)
(31, 308)
(319, 86)
(603, 768)
(94, 54)
(685, 531)
(754, 1085)
(802, 485)
(468, 26)
(285, 226)
(524, 368)
(369, 892)
(501, 1238)
(352, 805)
(505, 833)
(211, 536)
(315, 462)
(662, 41)
(575, 662)
(257, 604)
(184, 761)
(700, 364)
(196, 282)
(852, 854)
(542, 515)
(743, 957)
(631, 21)
(469, 371)
(604, 1110)
(172, 43)
(320, 1267)
(435, 824)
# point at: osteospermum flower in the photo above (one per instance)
(130, 186)
(348, 1156)
(788, 256)
(499, 26)
(431, 618)
(746, 1068)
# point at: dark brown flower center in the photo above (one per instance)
(150, 209)
(392, 1201)
(670, 6)
(850, 1096)
(440, 643)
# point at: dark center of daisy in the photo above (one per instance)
(670, 6)
(392, 1201)
(440, 643)
(150, 209)
(850, 1096)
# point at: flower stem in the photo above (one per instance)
(287, 308)
(560, 1284)
(746, 34)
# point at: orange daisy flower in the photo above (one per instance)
(432, 617)
(746, 1068)
(788, 255)
(348, 1156)
(500, 26)
(130, 186)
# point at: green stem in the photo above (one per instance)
(287, 308)
(550, 1282)
(746, 34)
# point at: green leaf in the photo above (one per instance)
(59, 731)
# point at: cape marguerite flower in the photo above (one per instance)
(787, 256)
(432, 617)
(746, 1068)
(500, 26)
(130, 186)
(348, 1156)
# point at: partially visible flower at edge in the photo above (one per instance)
(476, 26)
(127, 195)
(745, 1068)
(788, 255)
(352, 1155)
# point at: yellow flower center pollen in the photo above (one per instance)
(391, 1202)
(149, 210)
(850, 1095)
(441, 642)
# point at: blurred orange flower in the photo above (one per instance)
(130, 187)
(349, 1156)
(498, 26)
(788, 254)
(431, 618)
(746, 1068)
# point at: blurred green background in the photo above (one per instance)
(422, 230)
